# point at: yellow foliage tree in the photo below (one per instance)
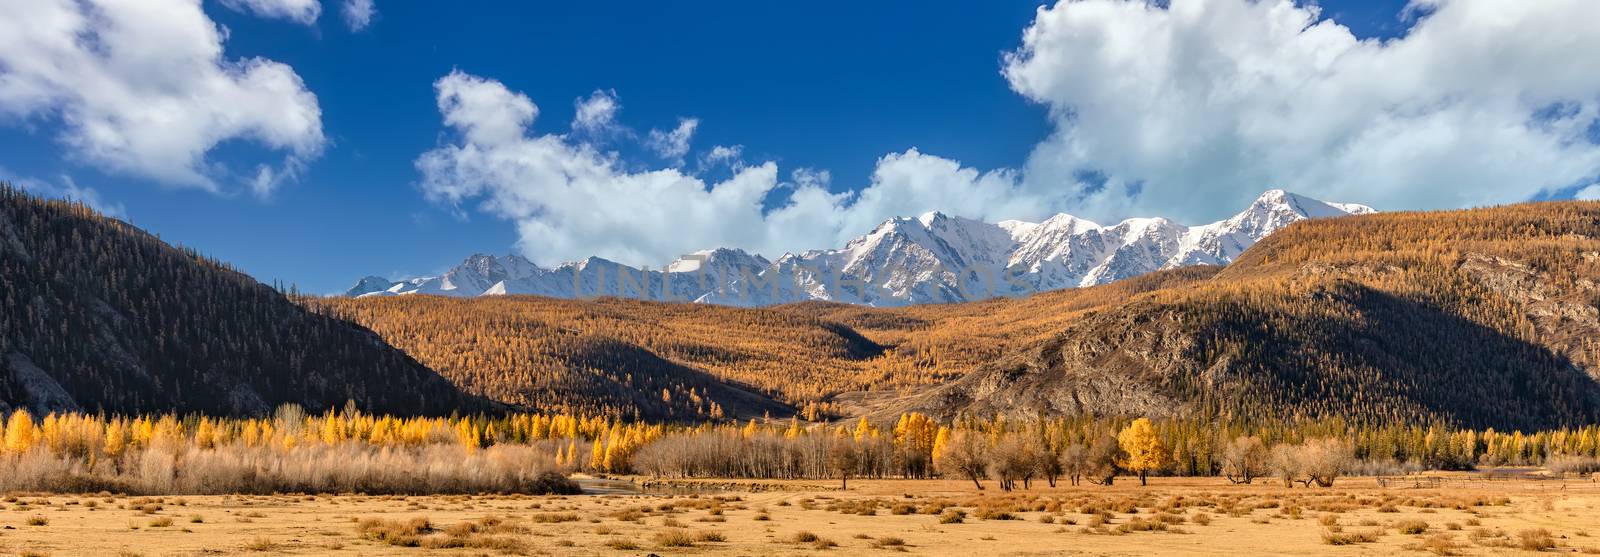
(205, 435)
(940, 441)
(1144, 450)
(597, 457)
(19, 432)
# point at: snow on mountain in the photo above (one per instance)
(932, 258)
(369, 285)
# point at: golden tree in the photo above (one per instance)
(20, 432)
(1143, 449)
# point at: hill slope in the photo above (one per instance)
(1485, 317)
(626, 357)
(97, 315)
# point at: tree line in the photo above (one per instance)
(167, 450)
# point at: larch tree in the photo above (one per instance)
(1143, 450)
(19, 432)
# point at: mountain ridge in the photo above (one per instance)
(930, 258)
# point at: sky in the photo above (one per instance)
(315, 142)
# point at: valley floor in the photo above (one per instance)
(1463, 515)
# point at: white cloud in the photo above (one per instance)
(673, 145)
(730, 155)
(65, 188)
(1591, 193)
(358, 13)
(299, 11)
(142, 87)
(569, 200)
(1191, 110)
(597, 112)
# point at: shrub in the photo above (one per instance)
(952, 516)
(393, 532)
(1537, 539)
(673, 537)
(554, 483)
(1411, 527)
(1348, 538)
(1438, 545)
(37, 520)
(888, 541)
(261, 544)
(709, 536)
(622, 545)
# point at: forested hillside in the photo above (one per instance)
(623, 357)
(1484, 317)
(97, 315)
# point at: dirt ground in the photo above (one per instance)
(1462, 515)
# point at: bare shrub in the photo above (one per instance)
(673, 537)
(965, 456)
(1014, 458)
(1411, 527)
(1348, 538)
(1569, 465)
(1536, 539)
(1324, 460)
(1285, 464)
(1245, 459)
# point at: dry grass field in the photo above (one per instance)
(1463, 515)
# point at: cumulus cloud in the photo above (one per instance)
(1191, 109)
(730, 155)
(597, 112)
(299, 11)
(673, 145)
(143, 88)
(358, 13)
(570, 200)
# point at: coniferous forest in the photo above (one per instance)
(99, 316)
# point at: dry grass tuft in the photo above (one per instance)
(1536, 539)
(261, 544)
(673, 537)
(1349, 538)
(1411, 527)
(393, 532)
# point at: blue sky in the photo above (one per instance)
(818, 86)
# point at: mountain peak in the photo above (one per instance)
(369, 284)
(932, 257)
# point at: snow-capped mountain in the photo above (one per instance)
(933, 258)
